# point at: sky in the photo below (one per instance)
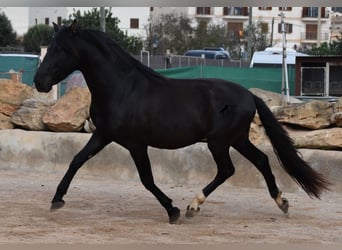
(19, 17)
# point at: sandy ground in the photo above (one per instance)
(102, 210)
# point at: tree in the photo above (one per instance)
(7, 35)
(332, 48)
(91, 20)
(259, 39)
(37, 36)
(172, 32)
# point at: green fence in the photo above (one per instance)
(263, 78)
(19, 62)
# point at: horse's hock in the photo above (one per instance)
(52, 152)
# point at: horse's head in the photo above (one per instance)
(61, 59)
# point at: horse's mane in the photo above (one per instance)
(108, 47)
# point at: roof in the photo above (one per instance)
(275, 56)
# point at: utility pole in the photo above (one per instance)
(284, 79)
(249, 42)
(271, 43)
(102, 19)
(319, 27)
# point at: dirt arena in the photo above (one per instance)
(101, 210)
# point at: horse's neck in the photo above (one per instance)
(107, 79)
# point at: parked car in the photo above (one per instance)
(208, 53)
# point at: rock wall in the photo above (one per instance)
(52, 152)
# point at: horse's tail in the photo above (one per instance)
(311, 181)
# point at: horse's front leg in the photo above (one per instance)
(93, 146)
(142, 162)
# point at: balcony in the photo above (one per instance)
(204, 12)
(235, 13)
(311, 37)
(312, 14)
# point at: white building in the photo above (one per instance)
(133, 20)
(305, 26)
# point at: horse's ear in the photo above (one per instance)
(55, 26)
(73, 26)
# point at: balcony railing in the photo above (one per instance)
(313, 36)
(235, 11)
(313, 12)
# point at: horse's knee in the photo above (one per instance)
(226, 173)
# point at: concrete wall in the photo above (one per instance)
(52, 152)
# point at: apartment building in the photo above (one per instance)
(305, 26)
(132, 20)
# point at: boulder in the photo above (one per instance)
(311, 115)
(30, 114)
(336, 118)
(12, 94)
(271, 98)
(5, 122)
(318, 139)
(89, 126)
(70, 111)
(338, 105)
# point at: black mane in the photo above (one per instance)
(108, 46)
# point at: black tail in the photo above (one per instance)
(311, 181)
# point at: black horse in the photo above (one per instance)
(136, 107)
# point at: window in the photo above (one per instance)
(235, 11)
(313, 12)
(235, 30)
(285, 8)
(203, 11)
(311, 32)
(59, 20)
(288, 28)
(265, 8)
(264, 28)
(47, 21)
(134, 23)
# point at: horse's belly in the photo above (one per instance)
(173, 140)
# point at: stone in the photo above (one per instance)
(5, 122)
(327, 139)
(89, 126)
(70, 111)
(271, 98)
(311, 115)
(30, 114)
(338, 105)
(336, 119)
(12, 94)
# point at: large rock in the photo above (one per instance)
(312, 114)
(336, 118)
(12, 94)
(271, 98)
(70, 111)
(5, 122)
(338, 105)
(30, 114)
(318, 139)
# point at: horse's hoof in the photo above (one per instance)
(174, 216)
(285, 206)
(191, 212)
(57, 205)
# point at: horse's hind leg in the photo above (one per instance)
(260, 160)
(142, 162)
(225, 169)
(94, 145)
